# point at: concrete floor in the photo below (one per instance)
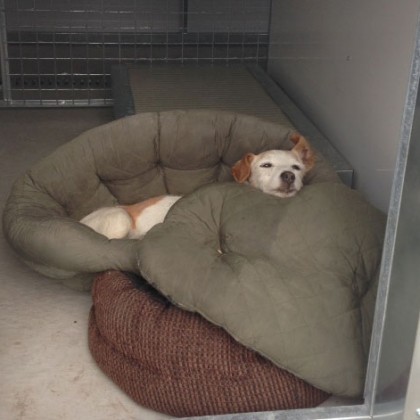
(46, 369)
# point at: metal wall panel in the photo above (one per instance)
(412, 406)
(347, 65)
(399, 294)
(60, 53)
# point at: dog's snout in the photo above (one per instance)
(288, 177)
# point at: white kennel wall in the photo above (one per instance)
(347, 64)
(60, 52)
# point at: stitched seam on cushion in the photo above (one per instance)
(227, 142)
(227, 139)
(204, 168)
(117, 181)
(226, 146)
(95, 164)
(229, 136)
(43, 189)
(157, 145)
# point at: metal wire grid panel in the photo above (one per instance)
(60, 53)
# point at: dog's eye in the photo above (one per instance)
(296, 167)
(266, 165)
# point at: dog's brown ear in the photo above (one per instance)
(241, 170)
(303, 150)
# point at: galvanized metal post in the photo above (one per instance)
(4, 57)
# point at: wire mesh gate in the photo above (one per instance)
(60, 53)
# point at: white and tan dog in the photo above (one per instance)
(276, 172)
(132, 221)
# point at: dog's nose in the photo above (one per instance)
(288, 177)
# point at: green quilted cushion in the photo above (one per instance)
(286, 277)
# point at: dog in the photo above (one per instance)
(276, 172)
(131, 221)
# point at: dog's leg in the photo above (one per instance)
(112, 222)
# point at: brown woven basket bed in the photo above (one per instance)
(176, 362)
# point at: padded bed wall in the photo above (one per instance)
(241, 88)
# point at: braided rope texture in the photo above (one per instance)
(176, 362)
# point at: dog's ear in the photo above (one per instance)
(241, 170)
(303, 150)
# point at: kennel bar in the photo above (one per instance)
(4, 65)
(59, 53)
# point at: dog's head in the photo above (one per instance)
(277, 172)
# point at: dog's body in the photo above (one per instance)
(276, 172)
(132, 221)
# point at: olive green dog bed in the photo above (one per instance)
(293, 279)
(125, 161)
